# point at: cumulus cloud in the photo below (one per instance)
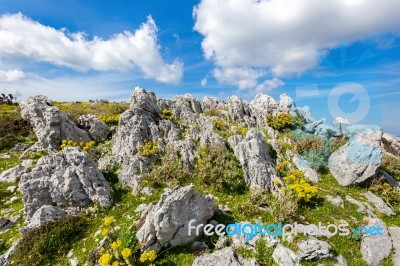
(285, 37)
(11, 75)
(269, 85)
(23, 37)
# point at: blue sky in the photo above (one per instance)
(77, 50)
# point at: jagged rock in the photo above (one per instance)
(132, 170)
(97, 129)
(199, 246)
(379, 204)
(261, 106)
(223, 257)
(147, 191)
(313, 249)
(304, 165)
(19, 147)
(391, 144)
(253, 154)
(186, 149)
(109, 163)
(50, 125)
(47, 213)
(337, 201)
(28, 163)
(305, 114)
(237, 108)
(206, 135)
(68, 178)
(167, 221)
(12, 189)
(137, 124)
(363, 208)
(185, 107)
(211, 102)
(388, 178)
(6, 257)
(287, 105)
(375, 249)
(284, 256)
(13, 174)
(358, 160)
(394, 233)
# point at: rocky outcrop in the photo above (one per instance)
(66, 179)
(137, 124)
(394, 233)
(47, 213)
(261, 106)
(357, 161)
(97, 129)
(50, 125)
(205, 134)
(223, 257)
(238, 108)
(132, 170)
(13, 174)
(391, 144)
(379, 204)
(167, 222)
(284, 256)
(363, 208)
(186, 107)
(313, 249)
(253, 154)
(375, 249)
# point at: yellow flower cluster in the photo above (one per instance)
(110, 120)
(296, 182)
(385, 191)
(85, 146)
(283, 121)
(148, 257)
(148, 149)
(168, 115)
(219, 124)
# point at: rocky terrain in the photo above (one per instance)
(115, 184)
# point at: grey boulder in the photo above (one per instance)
(166, 223)
(13, 174)
(313, 249)
(284, 256)
(97, 129)
(65, 179)
(223, 257)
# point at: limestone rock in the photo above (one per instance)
(304, 165)
(6, 257)
(363, 208)
(391, 144)
(223, 257)
(69, 178)
(167, 221)
(13, 174)
(253, 154)
(19, 147)
(47, 213)
(379, 204)
(284, 256)
(50, 125)
(97, 129)
(337, 201)
(237, 108)
(394, 233)
(313, 249)
(376, 248)
(136, 123)
(358, 160)
(261, 106)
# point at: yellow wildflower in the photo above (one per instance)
(105, 231)
(126, 253)
(105, 259)
(108, 220)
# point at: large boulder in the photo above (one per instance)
(253, 154)
(166, 223)
(206, 134)
(97, 129)
(50, 125)
(13, 174)
(47, 213)
(394, 233)
(137, 124)
(375, 249)
(186, 107)
(284, 256)
(357, 161)
(237, 108)
(65, 179)
(313, 249)
(223, 257)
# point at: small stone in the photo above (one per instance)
(337, 201)
(199, 246)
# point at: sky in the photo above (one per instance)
(339, 57)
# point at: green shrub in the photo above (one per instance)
(215, 111)
(391, 164)
(386, 192)
(220, 124)
(219, 168)
(42, 245)
(283, 121)
(167, 114)
(148, 149)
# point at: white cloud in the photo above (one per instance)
(285, 37)
(269, 85)
(11, 75)
(23, 37)
(204, 82)
(242, 77)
